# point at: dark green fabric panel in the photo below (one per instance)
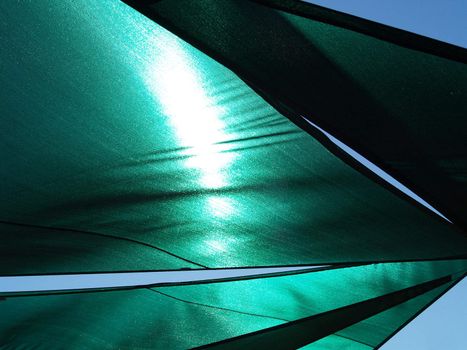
(377, 329)
(136, 319)
(401, 108)
(371, 332)
(113, 126)
(301, 332)
(384, 32)
(33, 250)
(184, 317)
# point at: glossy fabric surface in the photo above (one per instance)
(184, 317)
(401, 108)
(118, 139)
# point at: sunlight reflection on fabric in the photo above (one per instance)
(196, 118)
(217, 245)
(217, 242)
(220, 206)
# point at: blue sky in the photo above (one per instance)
(444, 20)
(443, 325)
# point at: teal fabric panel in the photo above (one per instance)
(304, 331)
(115, 129)
(125, 148)
(373, 331)
(35, 250)
(136, 319)
(183, 317)
(335, 342)
(377, 329)
(396, 98)
(294, 297)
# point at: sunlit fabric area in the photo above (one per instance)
(226, 174)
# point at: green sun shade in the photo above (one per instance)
(186, 316)
(373, 331)
(301, 332)
(397, 98)
(335, 342)
(125, 148)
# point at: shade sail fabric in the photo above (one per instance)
(315, 292)
(335, 342)
(186, 316)
(378, 328)
(304, 331)
(375, 330)
(34, 250)
(137, 319)
(399, 99)
(125, 148)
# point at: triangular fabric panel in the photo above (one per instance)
(188, 316)
(335, 342)
(395, 97)
(301, 332)
(125, 148)
(373, 331)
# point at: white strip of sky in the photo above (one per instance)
(69, 282)
(377, 170)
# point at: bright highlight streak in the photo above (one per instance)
(70, 282)
(177, 84)
(377, 170)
